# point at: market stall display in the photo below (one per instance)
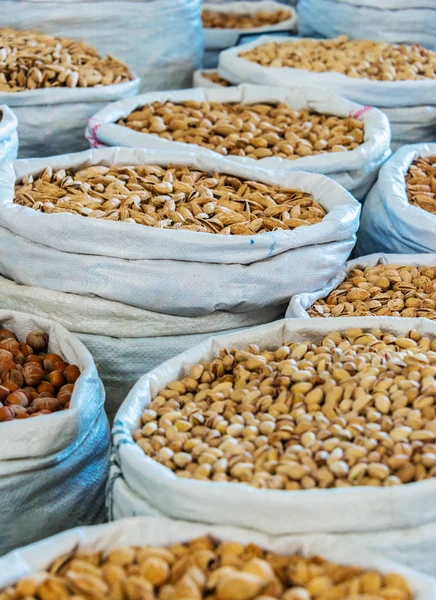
(146, 558)
(280, 129)
(302, 418)
(397, 79)
(54, 467)
(160, 40)
(389, 285)
(158, 244)
(400, 210)
(224, 24)
(56, 88)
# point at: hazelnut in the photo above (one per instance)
(19, 397)
(64, 394)
(45, 386)
(51, 404)
(14, 375)
(10, 344)
(33, 373)
(7, 333)
(6, 414)
(56, 379)
(72, 373)
(38, 340)
(4, 393)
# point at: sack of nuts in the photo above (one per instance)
(411, 124)
(280, 129)
(205, 78)
(8, 134)
(394, 21)
(56, 87)
(399, 214)
(157, 558)
(170, 29)
(224, 23)
(125, 341)
(227, 237)
(383, 285)
(330, 425)
(371, 73)
(54, 435)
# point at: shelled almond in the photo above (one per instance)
(379, 61)
(33, 381)
(254, 130)
(421, 183)
(382, 290)
(172, 197)
(355, 409)
(205, 568)
(31, 60)
(215, 78)
(214, 19)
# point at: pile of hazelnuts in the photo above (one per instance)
(33, 382)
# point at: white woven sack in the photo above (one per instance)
(163, 532)
(160, 40)
(216, 40)
(411, 125)
(397, 21)
(415, 548)
(388, 94)
(125, 341)
(173, 272)
(389, 223)
(356, 170)
(54, 468)
(51, 120)
(344, 510)
(8, 134)
(302, 302)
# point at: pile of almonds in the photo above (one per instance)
(33, 381)
(172, 197)
(355, 409)
(215, 78)
(213, 19)
(421, 183)
(355, 58)
(253, 130)
(204, 568)
(30, 61)
(383, 291)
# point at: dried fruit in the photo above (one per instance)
(32, 60)
(253, 130)
(255, 574)
(383, 290)
(355, 409)
(379, 61)
(213, 19)
(173, 197)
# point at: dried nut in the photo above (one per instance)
(54, 62)
(390, 290)
(28, 386)
(356, 58)
(421, 190)
(355, 409)
(37, 340)
(215, 78)
(230, 572)
(237, 130)
(214, 19)
(171, 197)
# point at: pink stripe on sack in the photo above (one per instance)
(94, 141)
(359, 113)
